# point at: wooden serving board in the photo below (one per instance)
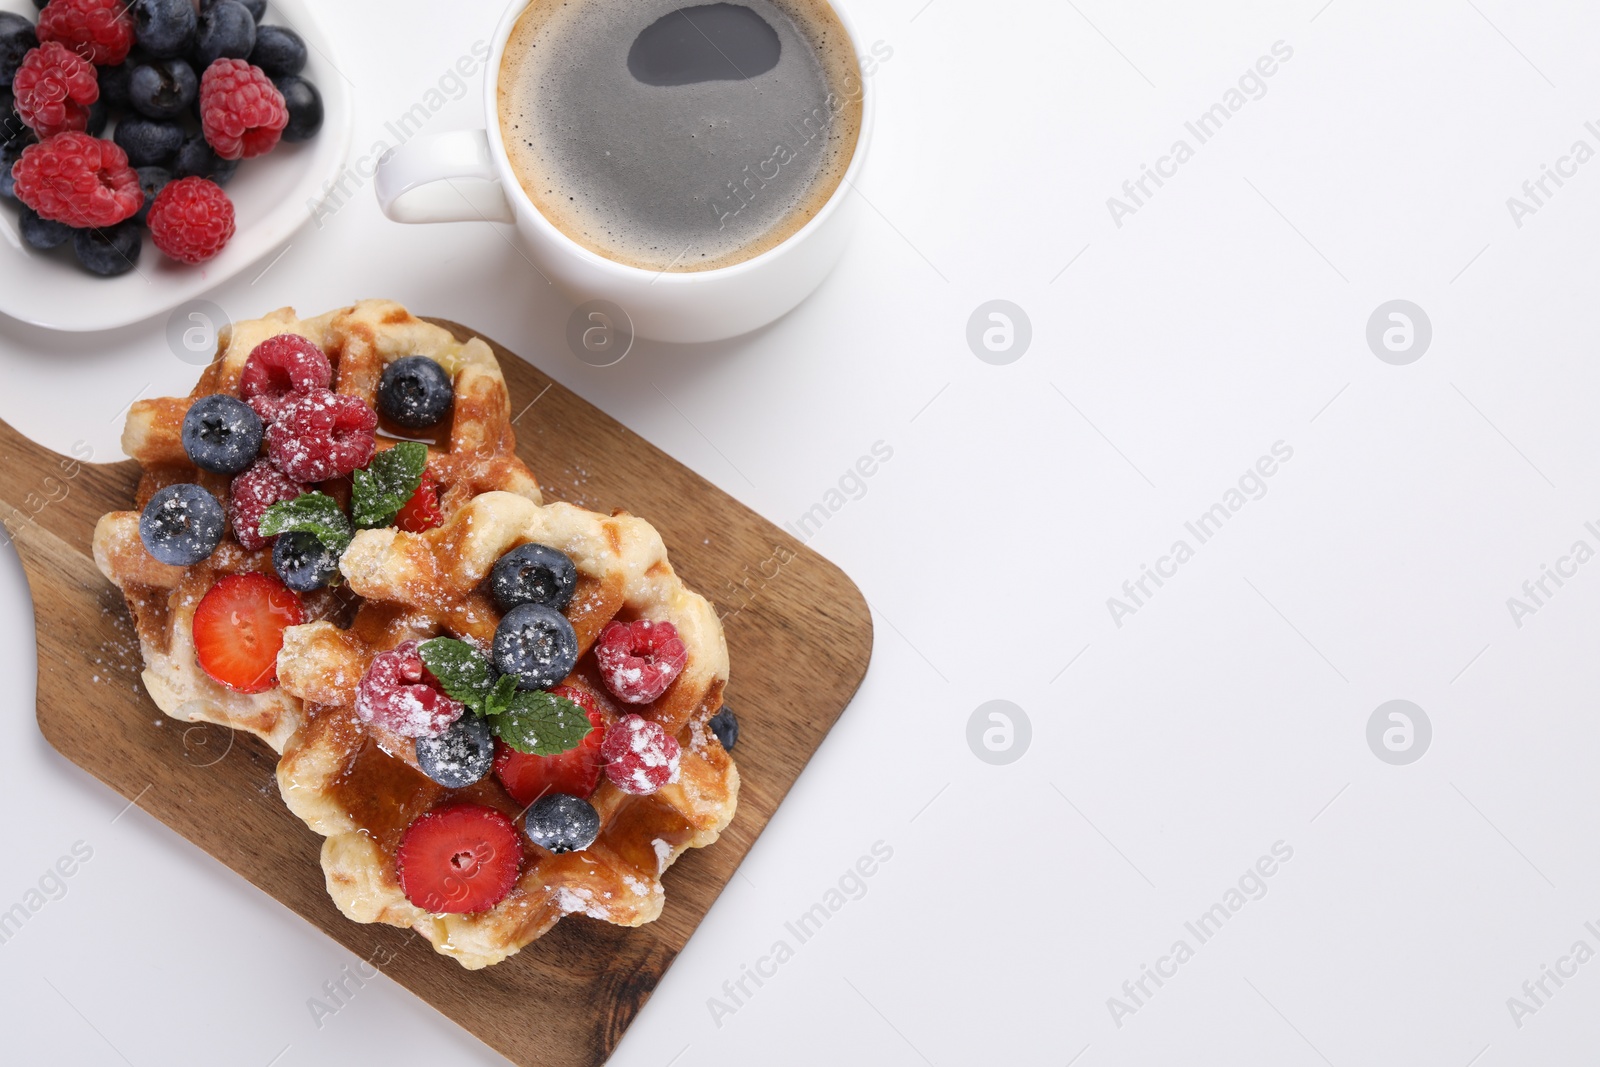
(799, 635)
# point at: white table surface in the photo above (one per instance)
(1227, 314)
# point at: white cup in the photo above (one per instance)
(414, 184)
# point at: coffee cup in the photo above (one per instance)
(467, 175)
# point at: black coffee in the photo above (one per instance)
(676, 136)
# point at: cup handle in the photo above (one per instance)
(414, 183)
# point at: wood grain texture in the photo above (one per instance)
(799, 636)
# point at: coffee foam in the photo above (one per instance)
(682, 178)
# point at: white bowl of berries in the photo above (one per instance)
(153, 149)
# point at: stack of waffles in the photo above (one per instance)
(350, 776)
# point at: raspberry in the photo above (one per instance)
(191, 219)
(640, 756)
(399, 693)
(54, 88)
(79, 180)
(241, 112)
(321, 435)
(251, 494)
(98, 30)
(421, 512)
(278, 368)
(639, 659)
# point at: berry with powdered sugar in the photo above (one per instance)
(399, 693)
(280, 367)
(321, 435)
(640, 659)
(640, 756)
(249, 497)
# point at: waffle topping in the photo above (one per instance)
(461, 756)
(528, 777)
(640, 659)
(533, 574)
(388, 484)
(421, 512)
(221, 434)
(640, 757)
(251, 495)
(561, 822)
(278, 369)
(536, 643)
(303, 562)
(320, 435)
(415, 392)
(238, 630)
(465, 673)
(725, 725)
(181, 525)
(543, 724)
(401, 694)
(459, 859)
(312, 513)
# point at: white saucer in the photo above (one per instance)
(273, 196)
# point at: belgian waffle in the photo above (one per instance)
(358, 785)
(472, 453)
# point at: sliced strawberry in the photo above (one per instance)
(238, 630)
(459, 859)
(575, 771)
(422, 510)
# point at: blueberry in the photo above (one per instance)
(181, 525)
(197, 159)
(11, 124)
(149, 143)
(461, 755)
(535, 643)
(304, 562)
(415, 392)
(726, 726)
(9, 154)
(12, 130)
(222, 434)
(533, 574)
(278, 51)
(164, 28)
(151, 180)
(41, 233)
(17, 38)
(99, 113)
(226, 29)
(114, 83)
(257, 8)
(562, 822)
(111, 251)
(305, 107)
(163, 89)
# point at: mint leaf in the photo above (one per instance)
(312, 513)
(391, 479)
(499, 699)
(542, 724)
(462, 670)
